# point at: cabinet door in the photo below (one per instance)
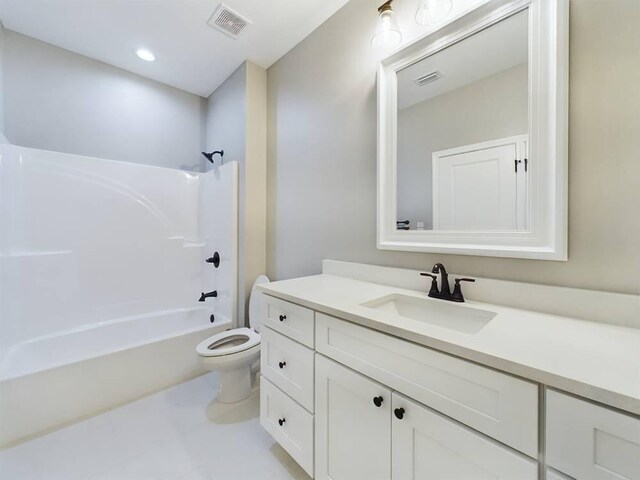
(353, 433)
(588, 441)
(428, 445)
(552, 474)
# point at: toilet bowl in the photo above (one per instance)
(233, 352)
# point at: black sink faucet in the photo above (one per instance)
(204, 296)
(444, 292)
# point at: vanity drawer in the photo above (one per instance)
(288, 365)
(289, 319)
(295, 434)
(498, 405)
(585, 440)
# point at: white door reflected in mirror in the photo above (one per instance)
(481, 186)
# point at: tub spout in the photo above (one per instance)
(204, 296)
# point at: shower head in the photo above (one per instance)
(209, 156)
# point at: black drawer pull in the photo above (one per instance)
(399, 413)
(282, 318)
(377, 401)
(282, 364)
(281, 421)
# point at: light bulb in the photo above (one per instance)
(388, 34)
(431, 12)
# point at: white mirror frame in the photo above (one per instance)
(548, 126)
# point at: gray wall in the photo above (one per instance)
(58, 100)
(322, 154)
(491, 108)
(226, 117)
(2, 137)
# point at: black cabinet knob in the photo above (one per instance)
(377, 401)
(282, 364)
(281, 421)
(282, 318)
(399, 413)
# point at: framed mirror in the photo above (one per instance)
(472, 135)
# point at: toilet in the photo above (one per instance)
(234, 352)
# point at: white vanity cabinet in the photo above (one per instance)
(353, 434)
(498, 405)
(350, 402)
(363, 429)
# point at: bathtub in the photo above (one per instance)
(56, 379)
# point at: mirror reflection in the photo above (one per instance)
(462, 138)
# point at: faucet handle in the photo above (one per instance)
(433, 291)
(457, 296)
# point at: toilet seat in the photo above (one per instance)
(228, 342)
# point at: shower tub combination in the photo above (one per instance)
(102, 264)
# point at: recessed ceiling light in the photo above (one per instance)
(145, 55)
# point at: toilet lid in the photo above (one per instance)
(254, 304)
(228, 342)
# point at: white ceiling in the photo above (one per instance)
(486, 53)
(190, 54)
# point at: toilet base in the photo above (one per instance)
(234, 373)
(235, 385)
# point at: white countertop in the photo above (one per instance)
(594, 360)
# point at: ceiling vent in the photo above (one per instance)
(428, 78)
(228, 21)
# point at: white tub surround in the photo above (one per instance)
(85, 240)
(477, 388)
(102, 265)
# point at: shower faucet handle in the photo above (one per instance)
(215, 260)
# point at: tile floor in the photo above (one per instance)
(179, 433)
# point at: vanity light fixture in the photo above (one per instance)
(431, 12)
(388, 34)
(146, 55)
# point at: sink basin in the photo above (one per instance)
(448, 315)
